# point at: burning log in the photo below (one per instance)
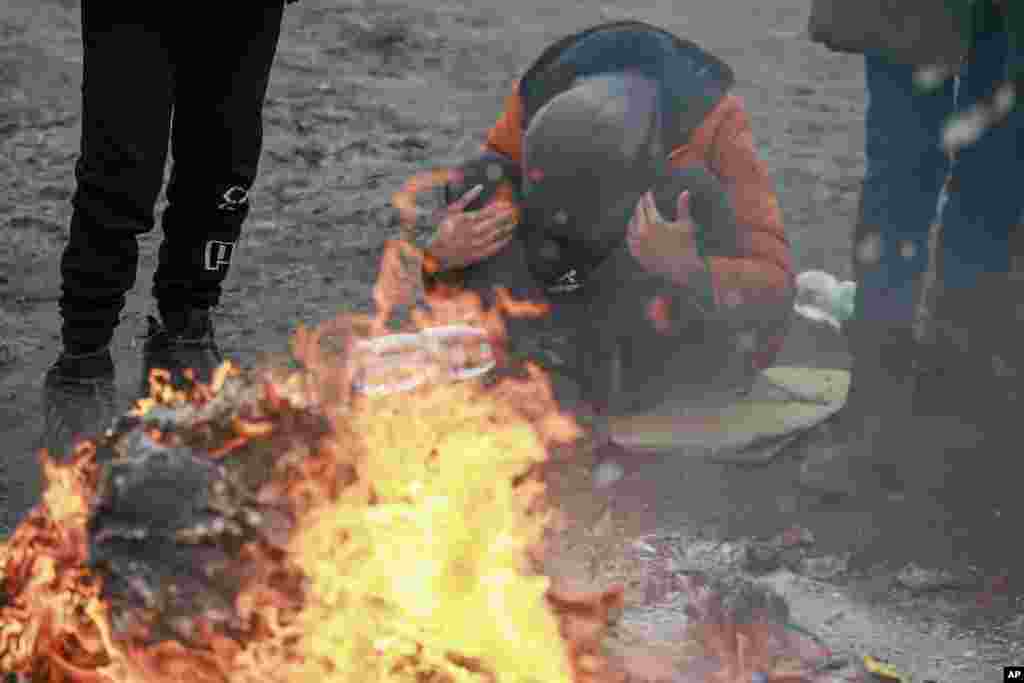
(152, 532)
(186, 495)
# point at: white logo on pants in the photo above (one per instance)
(218, 254)
(234, 198)
(566, 283)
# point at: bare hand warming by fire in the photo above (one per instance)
(467, 237)
(662, 246)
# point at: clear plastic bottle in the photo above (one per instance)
(823, 298)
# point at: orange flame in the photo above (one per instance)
(420, 563)
(416, 547)
(405, 199)
(53, 601)
(402, 264)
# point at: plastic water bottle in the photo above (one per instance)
(821, 297)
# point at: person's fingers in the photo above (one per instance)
(494, 247)
(649, 210)
(683, 206)
(499, 211)
(492, 231)
(459, 224)
(447, 228)
(507, 218)
(499, 224)
(639, 225)
(634, 221)
(485, 241)
(473, 220)
(460, 204)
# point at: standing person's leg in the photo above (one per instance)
(125, 124)
(975, 317)
(216, 141)
(985, 200)
(906, 169)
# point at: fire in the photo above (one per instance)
(392, 538)
(439, 564)
(405, 199)
(52, 599)
(442, 536)
(419, 529)
(402, 263)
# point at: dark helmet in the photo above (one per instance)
(589, 154)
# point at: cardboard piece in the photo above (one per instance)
(744, 429)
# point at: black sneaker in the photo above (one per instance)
(79, 400)
(178, 343)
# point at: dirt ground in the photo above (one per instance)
(366, 93)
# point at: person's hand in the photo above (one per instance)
(467, 237)
(665, 247)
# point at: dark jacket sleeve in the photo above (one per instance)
(916, 32)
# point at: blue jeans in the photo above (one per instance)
(906, 171)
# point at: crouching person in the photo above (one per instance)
(640, 213)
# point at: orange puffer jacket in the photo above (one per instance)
(755, 283)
